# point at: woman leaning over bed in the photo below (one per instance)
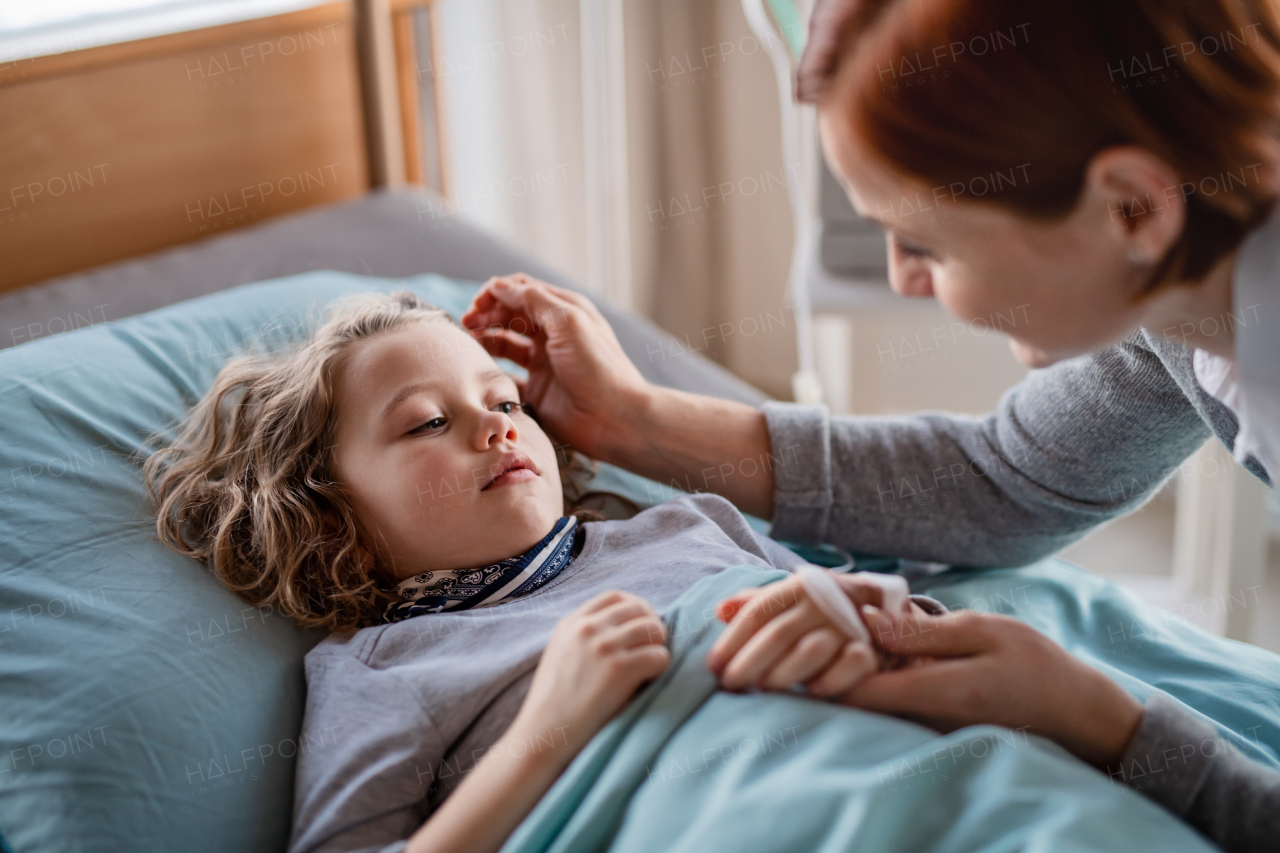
(1104, 171)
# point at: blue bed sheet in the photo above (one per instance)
(686, 767)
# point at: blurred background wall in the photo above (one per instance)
(710, 224)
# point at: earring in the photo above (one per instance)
(1137, 256)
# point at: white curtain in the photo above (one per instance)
(510, 69)
(710, 221)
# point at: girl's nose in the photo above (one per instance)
(494, 426)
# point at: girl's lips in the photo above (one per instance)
(515, 475)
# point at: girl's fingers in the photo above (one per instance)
(601, 601)
(772, 642)
(810, 655)
(638, 631)
(727, 609)
(856, 661)
(768, 602)
(648, 660)
(622, 610)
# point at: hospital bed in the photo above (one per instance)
(144, 707)
(140, 175)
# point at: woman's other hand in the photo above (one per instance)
(581, 383)
(778, 637)
(596, 658)
(986, 668)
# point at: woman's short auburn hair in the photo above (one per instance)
(1008, 101)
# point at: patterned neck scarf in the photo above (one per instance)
(464, 589)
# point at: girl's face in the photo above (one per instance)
(1058, 289)
(442, 467)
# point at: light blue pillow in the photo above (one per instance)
(144, 706)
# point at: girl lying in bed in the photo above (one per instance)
(384, 481)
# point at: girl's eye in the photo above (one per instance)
(429, 426)
(508, 407)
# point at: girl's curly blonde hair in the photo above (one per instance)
(248, 484)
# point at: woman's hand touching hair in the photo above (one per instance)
(581, 382)
(587, 393)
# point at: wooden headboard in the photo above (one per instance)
(118, 150)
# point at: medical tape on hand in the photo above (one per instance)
(893, 588)
(829, 598)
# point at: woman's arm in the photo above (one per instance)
(954, 669)
(993, 669)
(1070, 447)
(1180, 762)
(596, 658)
(972, 668)
(700, 444)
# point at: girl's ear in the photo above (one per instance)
(331, 520)
(333, 524)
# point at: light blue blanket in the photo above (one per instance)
(686, 767)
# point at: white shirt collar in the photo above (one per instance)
(1255, 289)
(1249, 384)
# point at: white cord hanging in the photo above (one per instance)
(806, 387)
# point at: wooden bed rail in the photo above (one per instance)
(400, 46)
(117, 150)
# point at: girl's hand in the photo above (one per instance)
(994, 669)
(778, 637)
(597, 656)
(581, 383)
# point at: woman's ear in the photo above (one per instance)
(1140, 199)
